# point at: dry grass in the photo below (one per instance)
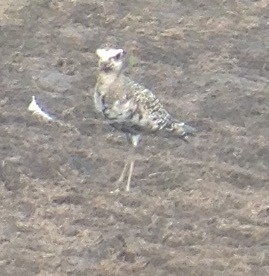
(196, 209)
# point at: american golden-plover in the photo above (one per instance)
(130, 107)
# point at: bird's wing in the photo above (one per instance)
(139, 111)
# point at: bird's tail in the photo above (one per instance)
(180, 130)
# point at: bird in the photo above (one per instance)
(130, 107)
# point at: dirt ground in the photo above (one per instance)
(194, 209)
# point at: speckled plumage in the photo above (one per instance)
(129, 106)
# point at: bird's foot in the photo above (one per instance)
(116, 191)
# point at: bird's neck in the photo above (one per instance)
(105, 79)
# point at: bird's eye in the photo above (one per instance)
(118, 56)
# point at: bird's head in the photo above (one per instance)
(110, 60)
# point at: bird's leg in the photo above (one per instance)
(123, 173)
(131, 169)
(122, 176)
(134, 140)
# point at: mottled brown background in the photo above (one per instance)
(194, 209)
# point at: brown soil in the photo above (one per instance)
(195, 209)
